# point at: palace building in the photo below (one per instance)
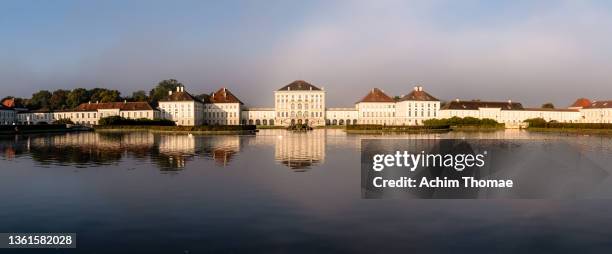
(300, 102)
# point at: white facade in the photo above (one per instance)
(259, 116)
(7, 116)
(299, 102)
(342, 116)
(222, 113)
(377, 113)
(182, 108)
(416, 107)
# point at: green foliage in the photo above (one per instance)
(396, 127)
(63, 121)
(118, 120)
(548, 105)
(139, 96)
(182, 128)
(40, 99)
(462, 122)
(536, 122)
(104, 95)
(541, 123)
(59, 99)
(162, 88)
(76, 97)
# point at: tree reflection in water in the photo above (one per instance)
(169, 152)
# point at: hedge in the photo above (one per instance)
(541, 123)
(181, 128)
(395, 127)
(466, 121)
(118, 120)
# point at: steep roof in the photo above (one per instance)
(600, 104)
(11, 103)
(299, 85)
(475, 105)
(581, 103)
(417, 94)
(180, 96)
(552, 109)
(114, 105)
(223, 95)
(376, 95)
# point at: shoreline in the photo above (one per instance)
(571, 131)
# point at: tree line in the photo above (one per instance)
(61, 99)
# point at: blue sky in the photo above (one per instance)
(528, 51)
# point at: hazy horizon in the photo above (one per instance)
(530, 52)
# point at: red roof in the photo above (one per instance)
(581, 103)
(223, 95)
(418, 95)
(180, 95)
(376, 95)
(114, 105)
(600, 104)
(299, 85)
(11, 103)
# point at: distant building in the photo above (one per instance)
(182, 108)
(299, 102)
(90, 113)
(416, 107)
(7, 115)
(376, 108)
(223, 108)
(598, 112)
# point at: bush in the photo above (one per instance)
(395, 127)
(63, 121)
(118, 120)
(466, 121)
(182, 128)
(536, 122)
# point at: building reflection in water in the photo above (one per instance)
(300, 151)
(172, 152)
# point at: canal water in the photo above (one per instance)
(276, 191)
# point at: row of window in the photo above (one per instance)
(299, 114)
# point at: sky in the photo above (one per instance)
(527, 51)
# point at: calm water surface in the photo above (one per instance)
(138, 192)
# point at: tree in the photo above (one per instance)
(76, 97)
(548, 105)
(59, 99)
(40, 99)
(139, 95)
(104, 95)
(162, 88)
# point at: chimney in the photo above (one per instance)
(97, 102)
(509, 101)
(124, 101)
(170, 92)
(311, 88)
(178, 88)
(89, 102)
(457, 100)
(420, 88)
(416, 88)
